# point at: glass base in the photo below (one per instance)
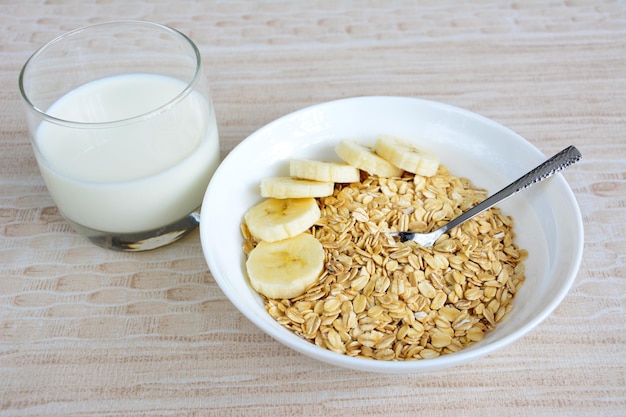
(141, 241)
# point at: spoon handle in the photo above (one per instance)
(558, 162)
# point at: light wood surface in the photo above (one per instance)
(90, 332)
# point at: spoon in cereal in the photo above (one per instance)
(550, 167)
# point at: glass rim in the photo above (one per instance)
(112, 123)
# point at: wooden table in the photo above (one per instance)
(90, 332)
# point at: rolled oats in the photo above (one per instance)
(386, 300)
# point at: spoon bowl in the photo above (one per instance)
(547, 218)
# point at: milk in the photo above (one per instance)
(128, 177)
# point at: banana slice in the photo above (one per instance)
(328, 171)
(276, 219)
(407, 156)
(363, 157)
(284, 269)
(288, 187)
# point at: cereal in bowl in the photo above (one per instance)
(374, 297)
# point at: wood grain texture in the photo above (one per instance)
(90, 332)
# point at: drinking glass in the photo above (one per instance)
(124, 131)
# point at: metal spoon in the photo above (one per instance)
(553, 165)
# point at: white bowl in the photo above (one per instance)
(547, 217)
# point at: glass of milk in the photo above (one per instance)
(123, 130)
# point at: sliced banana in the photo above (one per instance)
(363, 157)
(407, 156)
(275, 219)
(284, 269)
(288, 187)
(328, 171)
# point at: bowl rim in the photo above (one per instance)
(411, 366)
